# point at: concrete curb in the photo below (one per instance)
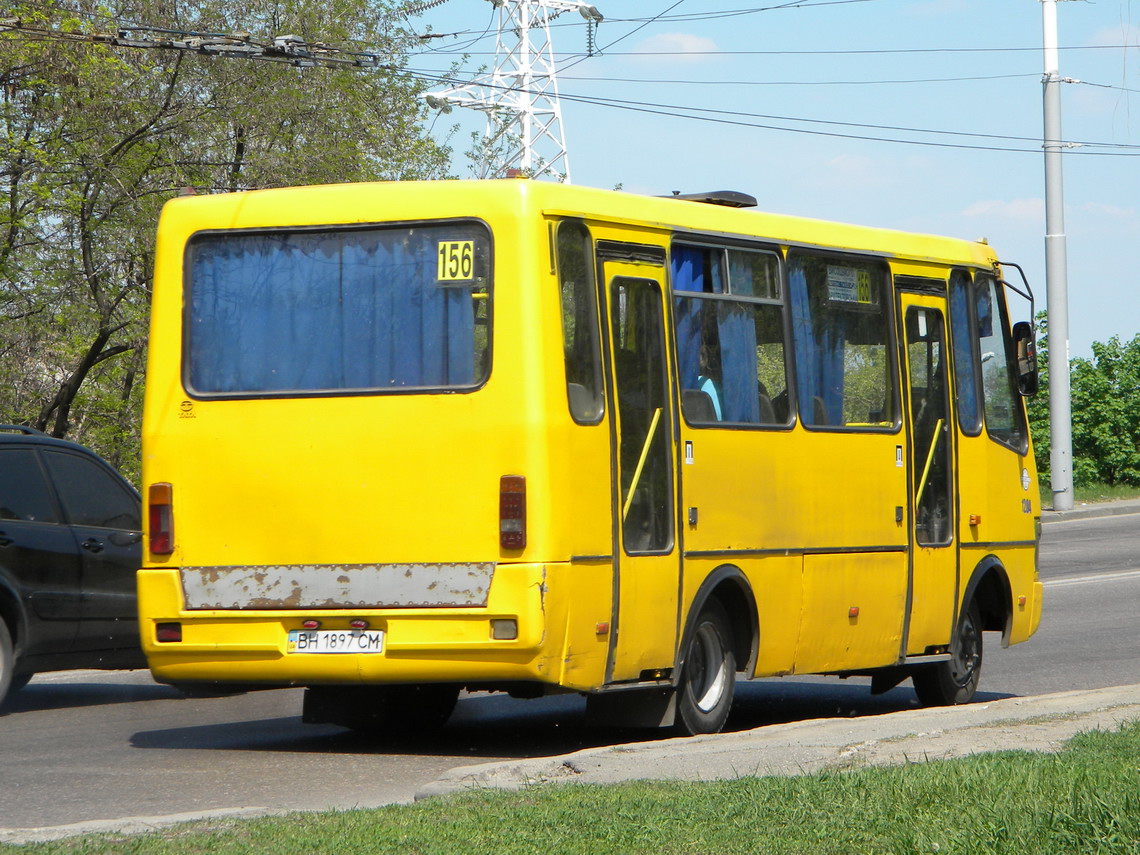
(126, 825)
(1095, 509)
(1040, 723)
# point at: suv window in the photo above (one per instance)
(91, 495)
(24, 493)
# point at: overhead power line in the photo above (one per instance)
(663, 81)
(689, 17)
(680, 113)
(843, 52)
(742, 119)
(295, 51)
(289, 49)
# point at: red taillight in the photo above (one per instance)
(160, 501)
(512, 512)
(166, 632)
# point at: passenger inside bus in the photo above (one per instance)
(708, 380)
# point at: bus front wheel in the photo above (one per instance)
(956, 680)
(708, 676)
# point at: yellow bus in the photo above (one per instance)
(405, 439)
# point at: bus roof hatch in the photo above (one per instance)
(728, 198)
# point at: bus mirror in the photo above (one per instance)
(1023, 338)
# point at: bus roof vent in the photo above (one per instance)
(728, 198)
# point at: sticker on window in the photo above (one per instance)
(849, 285)
(455, 261)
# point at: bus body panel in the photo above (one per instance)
(270, 493)
(853, 611)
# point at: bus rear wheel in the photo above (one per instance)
(708, 676)
(955, 681)
(394, 710)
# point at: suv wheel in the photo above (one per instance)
(7, 662)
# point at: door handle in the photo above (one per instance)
(125, 538)
(5, 540)
(92, 545)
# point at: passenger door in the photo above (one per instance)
(644, 633)
(933, 588)
(38, 563)
(104, 516)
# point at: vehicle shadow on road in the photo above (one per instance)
(59, 696)
(780, 700)
(496, 726)
(483, 726)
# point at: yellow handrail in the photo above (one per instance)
(929, 461)
(641, 463)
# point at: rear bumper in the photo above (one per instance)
(421, 644)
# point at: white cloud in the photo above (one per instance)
(1112, 211)
(1122, 34)
(675, 46)
(1088, 101)
(852, 170)
(1018, 210)
(937, 8)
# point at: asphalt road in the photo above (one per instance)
(86, 746)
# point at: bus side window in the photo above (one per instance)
(965, 365)
(728, 314)
(841, 334)
(1002, 402)
(579, 322)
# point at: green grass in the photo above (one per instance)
(1084, 799)
(1092, 493)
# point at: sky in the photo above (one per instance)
(922, 115)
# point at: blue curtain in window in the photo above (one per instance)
(325, 311)
(832, 345)
(739, 385)
(736, 335)
(688, 275)
(966, 386)
(819, 344)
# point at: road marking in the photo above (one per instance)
(1065, 581)
(1059, 517)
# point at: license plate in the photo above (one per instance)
(336, 641)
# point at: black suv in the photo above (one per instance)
(70, 545)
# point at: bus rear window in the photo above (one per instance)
(327, 311)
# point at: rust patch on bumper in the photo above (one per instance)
(337, 586)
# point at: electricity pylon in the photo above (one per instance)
(520, 97)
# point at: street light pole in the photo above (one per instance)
(1056, 275)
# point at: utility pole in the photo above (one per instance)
(1056, 276)
(520, 97)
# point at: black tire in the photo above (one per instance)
(708, 674)
(421, 708)
(7, 662)
(18, 682)
(393, 710)
(955, 681)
